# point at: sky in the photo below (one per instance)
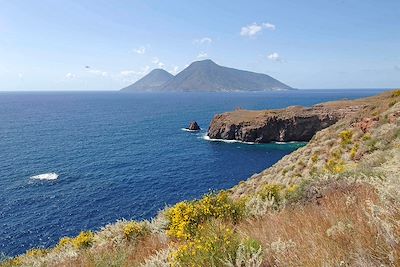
(106, 45)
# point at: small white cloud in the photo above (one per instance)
(141, 50)
(70, 75)
(125, 73)
(98, 72)
(130, 73)
(157, 62)
(253, 29)
(202, 55)
(175, 70)
(20, 76)
(274, 57)
(269, 26)
(204, 40)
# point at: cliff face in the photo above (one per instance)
(291, 124)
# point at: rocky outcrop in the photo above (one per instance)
(193, 126)
(290, 124)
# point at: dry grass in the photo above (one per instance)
(336, 230)
(130, 255)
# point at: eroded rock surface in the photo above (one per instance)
(291, 124)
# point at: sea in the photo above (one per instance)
(73, 161)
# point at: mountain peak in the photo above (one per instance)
(204, 62)
(153, 81)
(159, 70)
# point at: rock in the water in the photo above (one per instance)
(193, 126)
(290, 124)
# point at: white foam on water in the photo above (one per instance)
(45, 176)
(286, 143)
(207, 138)
(187, 130)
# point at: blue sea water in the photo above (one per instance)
(120, 155)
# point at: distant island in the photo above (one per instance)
(206, 76)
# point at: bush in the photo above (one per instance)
(346, 137)
(314, 158)
(37, 252)
(185, 217)
(396, 93)
(271, 191)
(366, 137)
(392, 103)
(83, 240)
(334, 166)
(134, 230)
(354, 150)
(215, 245)
(371, 145)
(12, 262)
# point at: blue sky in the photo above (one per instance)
(45, 45)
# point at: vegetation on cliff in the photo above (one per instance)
(334, 202)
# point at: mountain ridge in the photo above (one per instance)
(207, 76)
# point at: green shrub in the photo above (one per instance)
(271, 191)
(371, 145)
(134, 230)
(335, 166)
(354, 150)
(185, 217)
(366, 137)
(214, 245)
(83, 240)
(345, 137)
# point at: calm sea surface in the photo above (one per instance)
(120, 155)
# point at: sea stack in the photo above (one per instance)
(193, 126)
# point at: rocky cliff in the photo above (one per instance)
(290, 124)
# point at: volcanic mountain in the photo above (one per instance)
(206, 75)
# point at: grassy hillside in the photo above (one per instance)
(334, 202)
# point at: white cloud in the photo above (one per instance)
(397, 67)
(204, 40)
(269, 26)
(175, 70)
(98, 72)
(70, 75)
(140, 50)
(130, 73)
(158, 63)
(274, 57)
(202, 55)
(125, 73)
(20, 75)
(253, 29)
